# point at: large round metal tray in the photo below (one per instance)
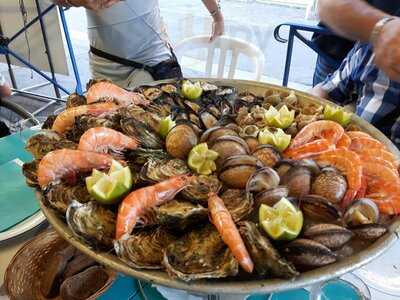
(232, 286)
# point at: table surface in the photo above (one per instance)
(10, 247)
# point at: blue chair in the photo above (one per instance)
(295, 30)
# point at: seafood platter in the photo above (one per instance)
(217, 186)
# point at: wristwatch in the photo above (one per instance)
(378, 28)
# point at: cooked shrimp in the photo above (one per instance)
(387, 198)
(138, 202)
(378, 175)
(309, 149)
(67, 118)
(329, 130)
(103, 139)
(344, 141)
(350, 165)
(378, 160)
(360, 143)
(222, 220)
(107, 91)
(60, 163)
(357, 134)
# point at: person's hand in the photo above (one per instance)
(89, 4)
(218, 27)
(387, 50)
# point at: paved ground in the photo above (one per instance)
(250, 20)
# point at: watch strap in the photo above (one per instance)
(378, 28)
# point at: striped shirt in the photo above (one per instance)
(377, 97)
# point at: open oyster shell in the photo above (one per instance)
(239, 203)
(156, 170)
(144, 249)
(200, 253)
(92, 222)
(266, 258)
(200, 187)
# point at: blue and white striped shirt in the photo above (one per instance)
(377, 97)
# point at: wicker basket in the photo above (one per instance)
(23, 275)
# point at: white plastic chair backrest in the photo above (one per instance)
(225, 44)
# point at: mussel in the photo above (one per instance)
(318, 208)
(330, 184)
(268, 155)
(298, 181)
(329, 235)
(92, 222)
(144, 249)
(180, 140)
(239, 203)
(263, 179)
(228, 146)
(200, 253)
(236, 170)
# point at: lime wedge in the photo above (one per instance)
(123, 176)
(115, 166)
(166, 125)
(91, 180)
(202, 160)
(337, 114)
(279, 119)
(279, 139)
(283, 221)
(191, 90)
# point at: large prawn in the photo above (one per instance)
(103, 140)
(379, 153)
(60, 163)
(361, 143)
(66, 119)
(107, 91)
(323, 129)
(138, 202)
(344, 141)
(350, 165)
(222, 220)
(309, 149)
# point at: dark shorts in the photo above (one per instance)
(322, 70)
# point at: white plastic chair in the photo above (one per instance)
(224, 44)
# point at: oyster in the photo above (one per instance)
(263, 179)
(30, 172)
(362, 211)
(330, 184)
(169, 88)
(141, 155)
(144, 249)
(271, 196)
(227, 146)
(180, 140)
(200, 253)
(85, 122)
(59, 195)
(236, 170)
(75, 99)
(46, 141)
(329, 235)
(268, 155)
(239, 203)
(369, 232)
(92, 222)
(156, 170)
(152, 93)
(318, 208)
(180, 215)
(308, 253)
(149, 118)
(208, 118)
(200, 187)
(298, 181)
(48, 123)
(266, 258)
(147, 136)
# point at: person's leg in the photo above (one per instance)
(322, 70)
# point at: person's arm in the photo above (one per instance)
(356, 20)
(89, 4)
(5, 90)
(218, 19)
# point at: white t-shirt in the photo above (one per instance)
(131, 29)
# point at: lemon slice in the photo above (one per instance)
(337, 114)
(166, 125)
(202, 160)
(111, 187)
(191, 90)
(279, 139)
(283, 221)
(281, 118)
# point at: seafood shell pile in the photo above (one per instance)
(193, 226)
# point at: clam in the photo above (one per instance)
(156, 170)
(318, 208)
(227, 93)
(236, 170)
(200, 253)
(369, 232)
(169, 88)
(311, 165)
(180, 215)
(239, 203)
(298, 181)
(330, 184)
(284, 165)
(215, 132)
(265, 257)
(268, 155)
(208, 87)
(214, 111)
(200, 187)
(147, 136)
(271, 196)
(144, 249)
(263, 179)
(193, 106)
(180, 140)
(362, 211)
(308, 253)
(329, 235)
(92, 222)
(30, 172)
(208, 119)
(249, 131)
(272, 97)
(228, 146)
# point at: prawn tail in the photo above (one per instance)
(348, 198)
